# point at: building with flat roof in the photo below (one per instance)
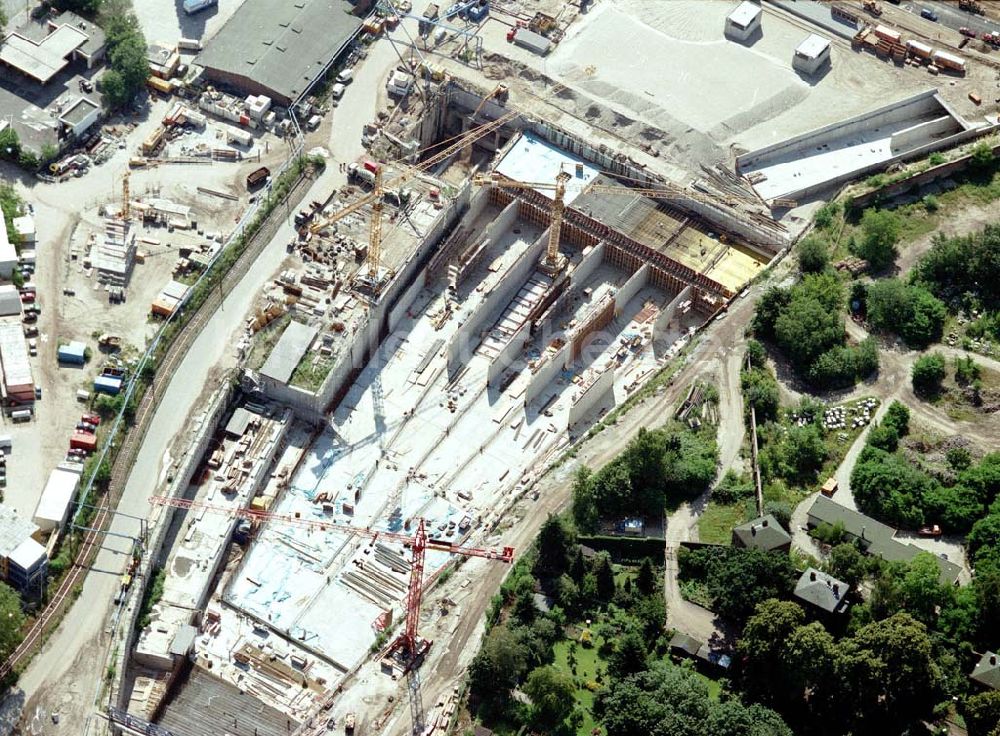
(115, 255)
(278, 48)
(80, 116)
(57, 497)
(40, 50)
(23, 562)
(744, 21)
(18, 384)
(811, 54)
(289, 351)
(8, 253)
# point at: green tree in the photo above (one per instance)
(880, 233)
(555, 542)
(760, 391)
(966, 370)
(802, 452)
(888, 487)
(884, 437)
(645, 579)
(892, 672)
(628, 656)
(847, 563)
(743, 578)
(762, 647)
(732, 718)
(756, 354)
(927, 374)
(664, 700)
(13, 620)
(551, 693)
(498, 666)
(814, 254)
(10, 144)
(605, 576)
(921, 589)
(584, 502)
(898, 416)
(982, 713)
(982, 156)
(908, 309)
(984, 538)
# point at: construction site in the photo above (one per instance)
(444, 328)
(515, 256)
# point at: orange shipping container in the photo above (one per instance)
(887, 33)
(160, 85)
(83, 441)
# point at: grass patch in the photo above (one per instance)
(696, 592)
(715, 525)
(151, 597)
(265, 340)
(588, 667)
(311, 371)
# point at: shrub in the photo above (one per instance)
(880, 233)
(927, 374)
(936, 159)
(814, 254)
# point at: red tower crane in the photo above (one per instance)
(418, 543)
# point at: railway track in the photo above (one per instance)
(63, 596)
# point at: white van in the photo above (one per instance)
(5, 442)
(83, 396)
(346, 75)
(337, 91)
(21, 415)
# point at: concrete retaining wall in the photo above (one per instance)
(509, 354)
(547, 373)
(601, 390)
(665, 317)
(588, 264)
(923, 133)
(409, 296)
(918, 104)
(630, 288)
(467, 337)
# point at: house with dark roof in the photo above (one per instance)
(877, 538)
(987, 672)
(822, 592)
(762, 533)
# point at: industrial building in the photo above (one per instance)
(8, 254)
(10, 301)
(744, 21)
(812, 54)
(115, 253)
(72, 353)
(18, 384)
(40, 50)
(23, 562)
(57, 497)
(277, 48)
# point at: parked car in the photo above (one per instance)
(967, 32)
(94, 419)
(86, 427)
(929, 14)
(931, 530)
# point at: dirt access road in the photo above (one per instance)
(448, 663)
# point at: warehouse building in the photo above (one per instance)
(23, 562)
(40, 50)
(8, 253)
(57, 498)
(277, 48)
(18, 385)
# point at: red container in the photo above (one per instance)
(371, 166)
(83, 441)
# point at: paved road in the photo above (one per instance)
(61, 679)
(951, 16)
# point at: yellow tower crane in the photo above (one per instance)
(554, 261)
(375, 197)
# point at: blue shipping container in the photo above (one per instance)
(73, 353)
(477, 12)
(107, 385)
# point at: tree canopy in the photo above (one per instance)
(928, 372)
(907, 309)
(880, 233)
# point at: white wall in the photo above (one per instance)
(510, 353)
(601, 390)
(588, 264)
(468, 336)
(664, 317)
(547, 373)
(630, 288)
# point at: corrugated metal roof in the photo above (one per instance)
(281, 45)
(56, 498)
(14, 355)
(13, 530)
(292, 346)
(10, 300)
